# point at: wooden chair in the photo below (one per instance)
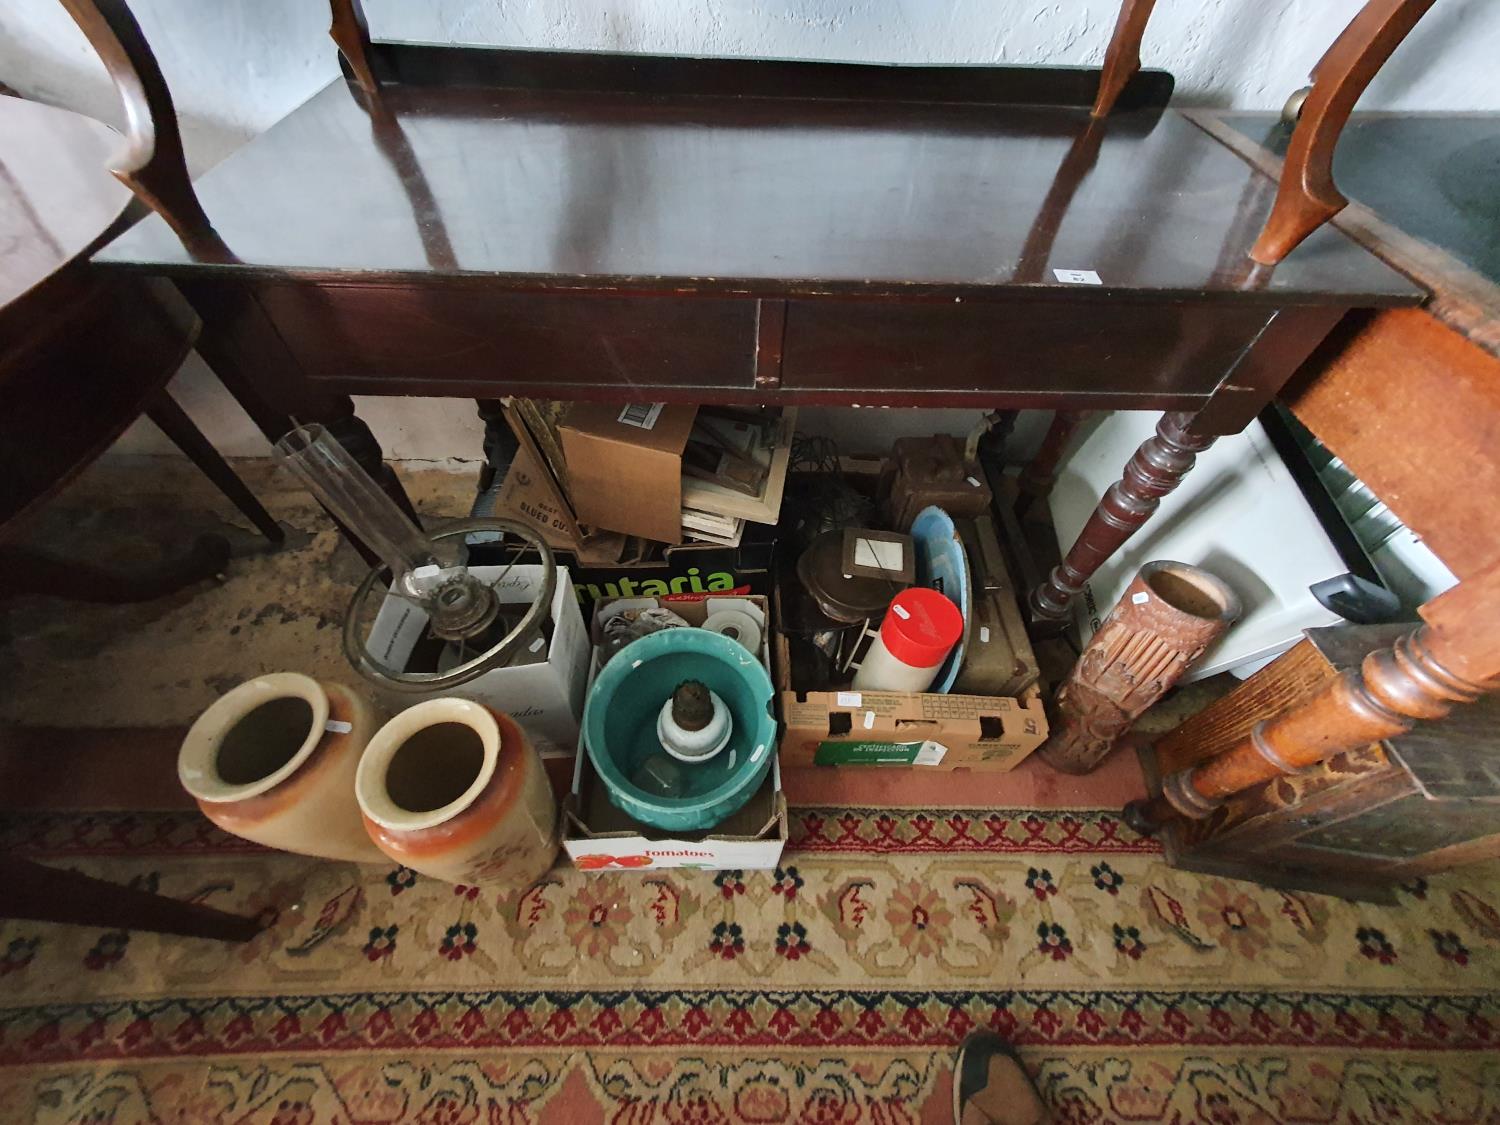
(83, 357)
(1307, 197)
(1408, 402)
(1451, 659)
(152, 165)
(70, 326)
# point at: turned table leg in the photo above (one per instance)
(1039, 476)
(1155, 470)
(1453, 658)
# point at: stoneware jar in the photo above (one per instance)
(274, 761)
(456, 791)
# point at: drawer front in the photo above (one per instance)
(415, 340)
(1018, 347)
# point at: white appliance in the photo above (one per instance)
(1407, 566)
(1238, 514)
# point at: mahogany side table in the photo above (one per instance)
(480, 222)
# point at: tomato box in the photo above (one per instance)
(600, 837)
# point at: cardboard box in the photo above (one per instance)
(545, 694)
(892, 728)
(530, 495)
(889, 728)
(695, 608)
(693, 568)
(625, 466)
(598, 836)
(690, 568)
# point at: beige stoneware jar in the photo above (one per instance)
(456, 791)
(274, 761)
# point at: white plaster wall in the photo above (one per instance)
(237, 66)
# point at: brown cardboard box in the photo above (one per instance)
(893, 728)
(847, 728)
(598, 836)
(625, 466)
(530, 495)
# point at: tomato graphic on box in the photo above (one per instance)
(599, 862)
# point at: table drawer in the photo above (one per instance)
(1019, 346)
(413, 340)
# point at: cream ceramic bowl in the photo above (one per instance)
(456, 791)
(274, 761)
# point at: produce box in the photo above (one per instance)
(892, 728)
(598, 836)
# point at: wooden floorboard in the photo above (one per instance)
(90, 768)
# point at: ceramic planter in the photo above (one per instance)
(620, 728)
(456, 791)
(1168, 615)
(274, 761)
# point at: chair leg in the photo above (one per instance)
(29, 571)
(172, 421)
(54, 894)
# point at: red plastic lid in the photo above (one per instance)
(921, 627)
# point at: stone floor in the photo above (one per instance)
(160, 663)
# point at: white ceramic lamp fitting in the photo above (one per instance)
(694, 724)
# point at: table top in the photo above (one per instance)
(56, 194)
(1432, 175)
(639, 190)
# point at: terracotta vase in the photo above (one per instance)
(1167, 616)
(456, 791)
(274, 761)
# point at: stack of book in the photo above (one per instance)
(734, 470)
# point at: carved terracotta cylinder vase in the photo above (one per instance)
(456, 791)
(1168, 615)
(274, 761)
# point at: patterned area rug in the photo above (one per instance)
(832, 990)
